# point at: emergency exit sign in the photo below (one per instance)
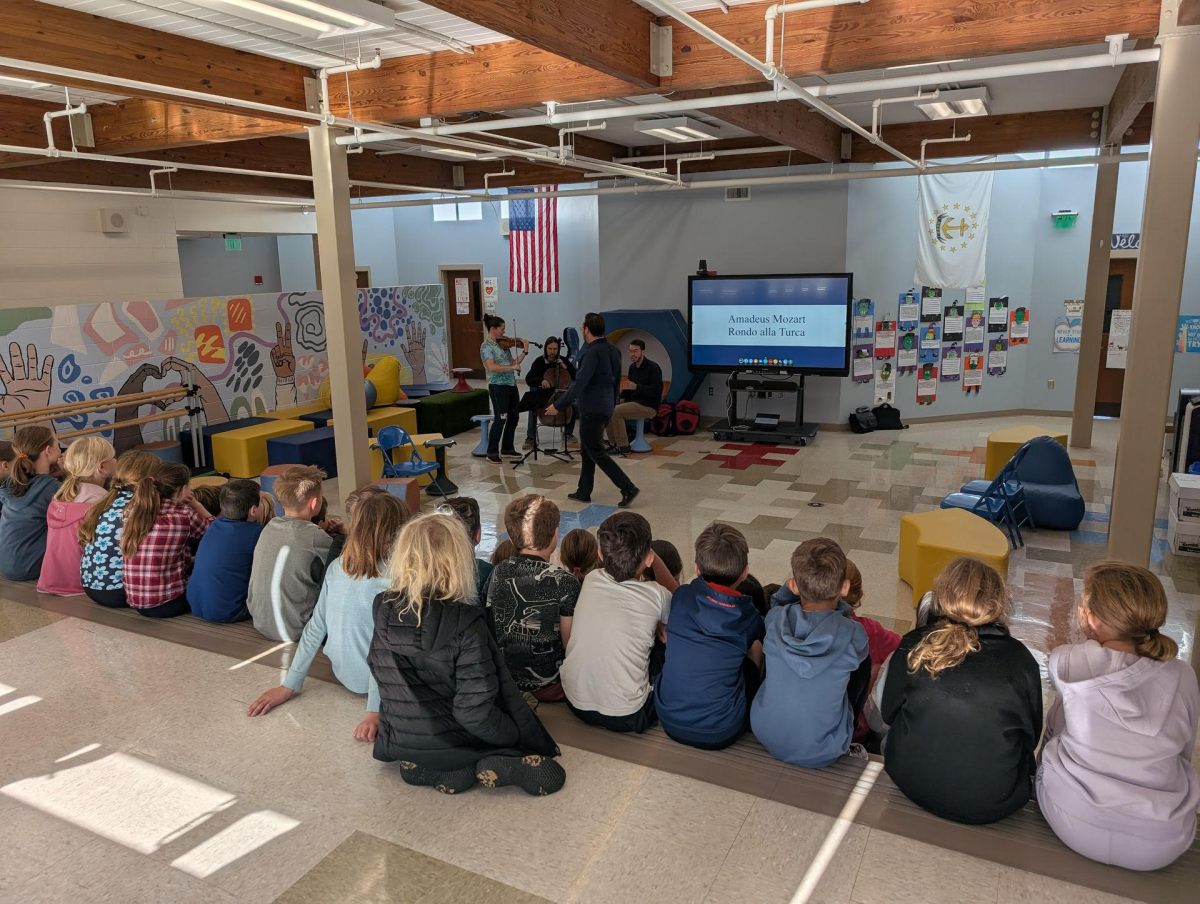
(233, 241)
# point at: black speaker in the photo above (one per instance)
(702, 270)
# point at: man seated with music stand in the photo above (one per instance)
(544, 379)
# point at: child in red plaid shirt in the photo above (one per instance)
(163, 524)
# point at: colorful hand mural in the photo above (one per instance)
(222, 345)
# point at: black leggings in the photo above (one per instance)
(169, 609)
(111, 599)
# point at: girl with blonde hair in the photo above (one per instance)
(25, 496)
(1116, 782)
(89, 462)
(963, 700)
(449, 710)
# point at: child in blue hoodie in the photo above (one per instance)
(25, 495)
(220, 579)
(818, 668)
(714, 651)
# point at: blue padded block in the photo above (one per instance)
(207, 432)
(1054, 506)
(319, 418)
(311, 447)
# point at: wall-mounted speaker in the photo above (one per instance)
(114, 222)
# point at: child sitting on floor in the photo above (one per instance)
(579, 553)
(1116, 782)
(667, 551)
(818, 670)
(449, 710)
(209, 497)
(607, 674)
(467, 510)
(505, 549)
(963, 700)
(267, 508)
(530, 602)
(163, 525)
(291, 557)
(25, 496)
(343, 620)
(88, 463)
(714, 654)
(101, 568)
(7, 457)
(881, 643)
(221, 578)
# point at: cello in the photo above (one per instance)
(559, 379)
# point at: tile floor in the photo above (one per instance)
(130, 773)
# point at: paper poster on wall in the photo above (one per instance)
(885, 338)
(927, 377)
(997, 315)
(931, 304)
(862, 364)
(910, 310)
(1188, 339)
(951, 363)
(953, 325)
(972, 372)
(974, 328)
(864, 319)
(997, 355)
(1118, 339)
(491, 292)
(863, 368)
(1018, 331)
(885, 384)
(1068, 329)
(931, 342)
(906, 353)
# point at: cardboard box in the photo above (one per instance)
(1183, 537)
(1185, 496)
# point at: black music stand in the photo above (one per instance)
(534, 401)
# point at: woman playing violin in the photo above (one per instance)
(545, 376)
(502, 370)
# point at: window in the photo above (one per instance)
(468, 210)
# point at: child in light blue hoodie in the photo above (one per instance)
(818, 667)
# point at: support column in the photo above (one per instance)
(1170, 183)
(1087, 367)
(343, 335)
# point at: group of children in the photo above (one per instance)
(455, 654)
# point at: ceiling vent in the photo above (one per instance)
(114, 222)
(738, 193)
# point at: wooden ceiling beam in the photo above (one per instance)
(609, 36)
(57, 36)
(1133, 92)
(790, 123)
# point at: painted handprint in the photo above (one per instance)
(414, 350)
(24, 389)
(282, 358)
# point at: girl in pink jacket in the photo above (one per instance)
(88, 462)
(1115, 780)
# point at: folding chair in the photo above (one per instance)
(391, 443)
(992, 504)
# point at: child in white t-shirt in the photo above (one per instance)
(610, 663)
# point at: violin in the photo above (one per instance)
(508, 342)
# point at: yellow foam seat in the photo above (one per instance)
(929, 541)
(385, 377)
(423, 453)
(378, 418)
(1003, 444)
(243, 452)
(295, 412)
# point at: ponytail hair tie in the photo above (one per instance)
(22, 455)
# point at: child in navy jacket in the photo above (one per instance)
(714, 652)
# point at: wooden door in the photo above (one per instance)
(1110, 382)
(466, 327)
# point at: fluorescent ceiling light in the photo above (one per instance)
(678, 128)
(309, 18)
(22, 82)
(957, 104)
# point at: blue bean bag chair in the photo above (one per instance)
(1051, 490)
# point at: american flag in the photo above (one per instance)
(533, 241)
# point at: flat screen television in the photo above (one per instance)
(794, 323)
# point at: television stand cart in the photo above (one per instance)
(733, 428)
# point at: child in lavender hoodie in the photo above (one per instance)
(1116, 781)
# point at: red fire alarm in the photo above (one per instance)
(258, 281)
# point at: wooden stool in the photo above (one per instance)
(212, 480)
(267, 480)
(1003, 444)
(462, 385)
(403, 488)
(929, 541)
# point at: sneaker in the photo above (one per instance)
(510, 452)
(495, 457)
(533, 774)
(858, 752)
(623, 450)
(528, 445)
(627, 497)
(444, 782)
(579, 497)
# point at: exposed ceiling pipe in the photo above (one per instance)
(802, 179)
(878, 103)
(722, 152)
(49, 118)
(175, 195)
(164, 171)
(781, 82)
(837, 89)
(928, 141)
(774, 10)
